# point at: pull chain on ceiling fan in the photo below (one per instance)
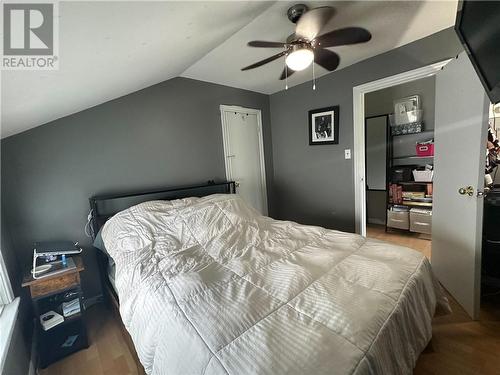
(307, 46)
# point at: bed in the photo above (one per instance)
(206, 285)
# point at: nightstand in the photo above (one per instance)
(48, 294)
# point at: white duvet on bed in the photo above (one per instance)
(209, 286)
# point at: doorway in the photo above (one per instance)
(461, 120)
(244, 154)
(399, 163)
(359, 131)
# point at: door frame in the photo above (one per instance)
(225, 141)
(358, 97)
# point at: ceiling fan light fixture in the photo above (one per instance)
(299, 58)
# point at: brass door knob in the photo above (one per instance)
(469, 190)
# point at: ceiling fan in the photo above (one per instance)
(307, 44)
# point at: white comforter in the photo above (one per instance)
(209, 286)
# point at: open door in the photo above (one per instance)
(244, 154)
(461, 125)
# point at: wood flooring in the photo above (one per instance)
(107, 354)
(460, 346)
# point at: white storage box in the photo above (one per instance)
(423, 176)
(398, 219)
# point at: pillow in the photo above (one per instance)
(99, 244)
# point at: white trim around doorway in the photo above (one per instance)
(358, 94)
(227, 156)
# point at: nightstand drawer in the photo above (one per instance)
(52, 285)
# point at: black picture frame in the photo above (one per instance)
(325, 122)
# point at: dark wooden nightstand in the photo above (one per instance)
(48, 294)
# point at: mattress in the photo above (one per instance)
(210, 286)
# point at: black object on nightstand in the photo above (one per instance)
(60, 294)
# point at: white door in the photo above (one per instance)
(244, 154)
(461, 124)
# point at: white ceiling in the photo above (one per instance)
(109, 49)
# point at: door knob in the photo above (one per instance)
(469, 190)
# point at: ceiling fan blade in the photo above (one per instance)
(310, 23)
(326, 58)
(265, 61)
(340, 37)
(287, 72)
(264, 44)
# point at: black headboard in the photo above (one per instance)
(104, 206)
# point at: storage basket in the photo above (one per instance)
(421, 221)
(425, 149)
(401, 173)
(423, 176)
(398, 219)
(413, 128)
(409, 128)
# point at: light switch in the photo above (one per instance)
(347, 153)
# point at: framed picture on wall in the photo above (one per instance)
(324, 126)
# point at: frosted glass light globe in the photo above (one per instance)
(299, 59)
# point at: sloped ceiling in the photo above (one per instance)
(110, 49)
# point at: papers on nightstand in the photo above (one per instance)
(71, 308)
(50, 319)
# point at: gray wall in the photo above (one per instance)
(380, 103)
(10, 258)
(376, 204)
(18, 355)
(165, 135)
(315, 184)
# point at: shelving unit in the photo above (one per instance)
(417, 204)
(412, 157)
(413, 183)
(48, 294)
(401, 219)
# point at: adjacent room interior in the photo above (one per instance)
(250, 187)
(399, 163)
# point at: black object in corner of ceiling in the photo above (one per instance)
(478, 27)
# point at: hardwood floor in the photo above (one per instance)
(415, 241)
(460, 346)
(107, 354)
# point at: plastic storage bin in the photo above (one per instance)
(398, 219)
(425, 149)
(421, 221)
